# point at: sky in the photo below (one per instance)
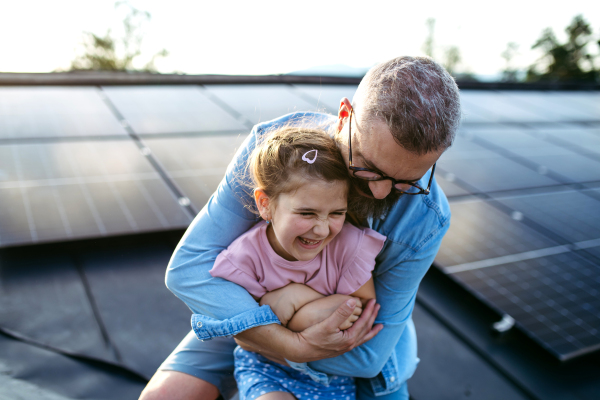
(272, 37)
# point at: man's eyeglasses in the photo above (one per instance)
(402, 186)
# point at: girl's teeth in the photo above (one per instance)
(309, 242)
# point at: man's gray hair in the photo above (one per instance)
(417, 98)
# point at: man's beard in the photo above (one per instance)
(364, 207)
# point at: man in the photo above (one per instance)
(404, 115)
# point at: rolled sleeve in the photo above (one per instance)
(207, 328)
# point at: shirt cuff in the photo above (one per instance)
(318, 377)
(207, 328)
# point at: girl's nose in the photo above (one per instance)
(380, 189)
(321, 228)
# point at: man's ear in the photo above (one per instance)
(343, 113)
(263, 203)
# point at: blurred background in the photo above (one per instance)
(118, 120)
(268, 37)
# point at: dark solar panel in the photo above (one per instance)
(447, 183)
(497, 107)
(556, 106)
(555, 299)
(516, 252)
(495, 174)
(42, 112)
(259, 103)
(196, 164)
(170, 109)
(480, 232)
(328, 97)
(58, 191)
(570, 214)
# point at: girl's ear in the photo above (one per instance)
(263, 204)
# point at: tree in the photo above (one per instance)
(452, 55)
(428, 45)
(565, 62)
(108, 53)
(510, 73)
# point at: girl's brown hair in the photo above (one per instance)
(276, 165)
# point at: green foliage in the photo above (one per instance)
(569, 61)
(509, 74)
(108, 53)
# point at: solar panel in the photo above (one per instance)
(328, 96)
(497, 107)
(495, 174)
(259, 103)
(196, 164)
(450, 188)
(479, 231)
(570, 214)
(50, 112)
(66, 190)
(170, 109)
(555, 299)
(562, 108)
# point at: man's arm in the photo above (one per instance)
(229, 306)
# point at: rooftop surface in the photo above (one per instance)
(98, 183)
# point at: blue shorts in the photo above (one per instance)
(256, 375)
(212, 361)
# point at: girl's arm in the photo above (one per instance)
(318, 310)
(286, 301)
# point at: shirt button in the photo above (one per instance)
(199, 324)
(392, 379)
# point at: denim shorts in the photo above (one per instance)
(213, 362)
(256, 375)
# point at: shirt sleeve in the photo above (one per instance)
(220, 222)
(225, 269)
(357, 271)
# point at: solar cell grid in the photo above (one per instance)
(328, 96)
(479, 231)
(42, 112)
(259, 103)
(196, 164)
(58, 191)
(570, 214)
(495, 174)
(170, 110)
(562, 108)
(496, 107)
(554, 298)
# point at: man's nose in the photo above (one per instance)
(380, 189)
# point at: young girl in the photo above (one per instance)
(301, 186)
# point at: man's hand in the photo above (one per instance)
(326, 339)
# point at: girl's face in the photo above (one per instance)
(303, 222)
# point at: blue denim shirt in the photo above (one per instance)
(414, 228)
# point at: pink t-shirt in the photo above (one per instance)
(343, 266)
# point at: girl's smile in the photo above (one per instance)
(303, 222)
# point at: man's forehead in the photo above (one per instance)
(380, 151)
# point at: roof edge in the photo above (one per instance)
(107, 78)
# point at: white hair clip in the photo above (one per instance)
(308, 160)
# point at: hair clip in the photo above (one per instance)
(308, 160)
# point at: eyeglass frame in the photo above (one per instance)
(383, 177)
